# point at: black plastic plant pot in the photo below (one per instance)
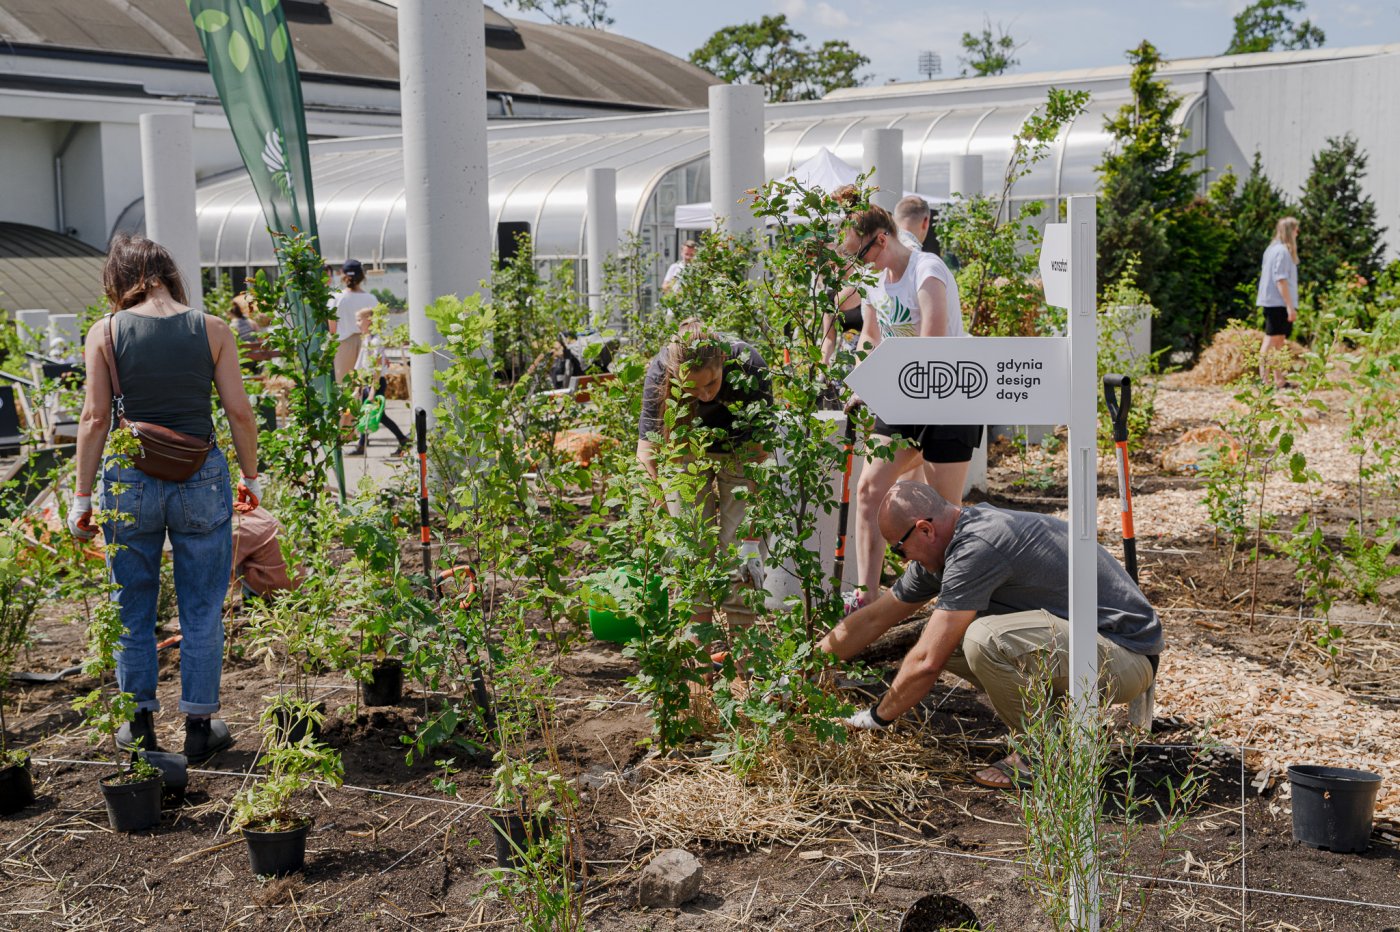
(277, 853)
(131, 807)
(290, 730)
(385, 684)
(512, 841)
(16, 788)
(935, 912)
(1333, 806)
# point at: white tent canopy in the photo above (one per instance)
(822, 171)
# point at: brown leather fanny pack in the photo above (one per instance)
(167, 454)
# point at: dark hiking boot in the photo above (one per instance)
(142, 730)
(205, 737)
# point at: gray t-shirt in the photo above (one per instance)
(1278, 264)
(1001, 561)
(745, 382)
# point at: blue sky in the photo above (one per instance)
(1057, 35)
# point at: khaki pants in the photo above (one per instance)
(346, 354)
(1000, 653)
(718, 503)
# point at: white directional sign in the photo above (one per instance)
(955, 380)
(1054, 264)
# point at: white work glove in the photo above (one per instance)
(864, 720)
(249, 493)
(80, 517)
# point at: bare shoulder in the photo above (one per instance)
(216, 326)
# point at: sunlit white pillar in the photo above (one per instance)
(167, 177)
(965, 175)
(883, 150)
(442, 87)
(601, 185)
(736, 153)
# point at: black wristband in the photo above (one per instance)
(875, 715)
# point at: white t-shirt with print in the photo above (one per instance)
(896, 304)
(347, 305)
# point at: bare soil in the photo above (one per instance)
(389, 851)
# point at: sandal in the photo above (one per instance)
(1016, 776)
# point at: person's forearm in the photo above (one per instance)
(920, 670)
(1287, 294)
(245, 441)
(647, 458)
(859, 630)
(92, 438)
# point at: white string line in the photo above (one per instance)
(1297, 618)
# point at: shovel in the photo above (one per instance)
(1118, 393)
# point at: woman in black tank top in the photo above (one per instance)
(169, 359)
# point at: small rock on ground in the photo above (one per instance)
(672, 879)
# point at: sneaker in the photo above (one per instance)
(359, 450)
(139, 733)
(205, 737)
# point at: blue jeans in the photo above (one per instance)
(195, 513)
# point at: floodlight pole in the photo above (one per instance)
(1083, 507)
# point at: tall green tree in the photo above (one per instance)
(772, 54)
(592, 14)
(1148, 184)
(1337, 217)
(989, 52)
(1266, 25)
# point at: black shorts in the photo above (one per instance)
(953, 443)
(1276, 322)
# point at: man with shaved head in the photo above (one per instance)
(913, 218)
(1001, 578)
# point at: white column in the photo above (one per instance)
(33, 327)
(601, 184)
(965, 175)
(442, 81)
(167, 176)
(736, 153)
(884, 151)
(1083, 485)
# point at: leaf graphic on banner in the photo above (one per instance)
(279, 43)
(255, 27)
(211, 20)
(274, 156)
(268, 6)
(239, 52)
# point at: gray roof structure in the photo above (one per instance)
(43, 269)
(356, 41)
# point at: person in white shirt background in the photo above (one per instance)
(674, 273)
(347, 303)
(1278, 295)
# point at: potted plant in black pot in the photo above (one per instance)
(133, 792)
(25, 572)
(274, 829)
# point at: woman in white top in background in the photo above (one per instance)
(915, 295)
(347, 303)
(1278, 295)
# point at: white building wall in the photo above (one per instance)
(84, 203)
(26, 179)
(1288, 112)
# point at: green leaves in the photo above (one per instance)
(279, 43)
(239, 53)
(255, 28)
(211, 20)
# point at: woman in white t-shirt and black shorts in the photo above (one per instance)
(916, 295)
(1278, 296)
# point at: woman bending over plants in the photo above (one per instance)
(718, 384)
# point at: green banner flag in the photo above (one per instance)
(254, 67)
(255, 71)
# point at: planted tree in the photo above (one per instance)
(989, 53)
(998, 267)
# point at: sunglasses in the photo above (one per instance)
(898, 546)
(860, 255)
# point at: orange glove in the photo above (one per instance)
(249, 494)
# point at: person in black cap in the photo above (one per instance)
(347, 303)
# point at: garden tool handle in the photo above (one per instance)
(1119, 403)
(420, 428)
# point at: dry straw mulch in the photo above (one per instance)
(1232, 354)
(799, 790)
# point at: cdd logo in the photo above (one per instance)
(942, 379)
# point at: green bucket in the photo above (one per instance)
(619, 628)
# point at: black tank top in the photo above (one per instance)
(166, 370)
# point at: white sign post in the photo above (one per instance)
(1024, 380)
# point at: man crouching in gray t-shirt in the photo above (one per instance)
(1002, 582)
